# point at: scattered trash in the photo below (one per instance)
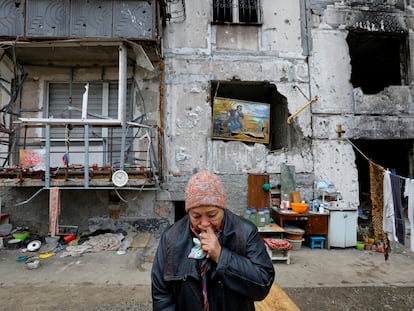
(14, 244)
(34, 245)
(47, 255)
(51, 239)
(126, 242)
(32, 263)
(21, 235)
(21, 258)
(5, 229)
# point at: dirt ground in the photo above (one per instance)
(87, 297)
(353, 298)
(336, 279)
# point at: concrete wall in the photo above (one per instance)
(197, 52)
(273, 53)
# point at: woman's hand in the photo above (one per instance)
(210, 243)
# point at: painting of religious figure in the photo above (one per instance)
(235, 119)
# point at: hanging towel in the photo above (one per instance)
(377, 201)
(54, 210)
(388, 221)
(409, 193)
(399, 221)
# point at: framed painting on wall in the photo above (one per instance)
(235, 119)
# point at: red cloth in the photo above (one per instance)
(277, 244)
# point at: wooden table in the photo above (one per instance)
(314, 223)
(272, 229)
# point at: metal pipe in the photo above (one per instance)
(122, 92)
(47, 168)
(301, 108)
(86, 161)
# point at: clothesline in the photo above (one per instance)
(368, 159)
(387, 212)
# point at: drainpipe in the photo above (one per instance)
(161, 128)
(122, 92)
(306, 35)
(47, 165)
(86, 166)
(305, 27)
(305, 15)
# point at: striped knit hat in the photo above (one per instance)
(204, 188)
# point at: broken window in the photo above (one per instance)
(280, 133)
(65, 102)
(378, 60)
(236, 11)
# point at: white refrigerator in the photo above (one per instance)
(343, 224)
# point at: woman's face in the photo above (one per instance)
(202, 217)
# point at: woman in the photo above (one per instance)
(211, 259)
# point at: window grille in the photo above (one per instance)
(248, 11)
(236, 11)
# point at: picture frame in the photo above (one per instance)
(235, 119)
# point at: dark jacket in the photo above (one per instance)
(244, 273)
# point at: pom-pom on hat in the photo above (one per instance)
(204, 188)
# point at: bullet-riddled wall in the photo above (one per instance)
(304, 50)
(323, 65)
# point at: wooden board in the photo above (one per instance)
(271, 228)
(277, 299)
(257, 196)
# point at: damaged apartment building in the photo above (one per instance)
(120, 102)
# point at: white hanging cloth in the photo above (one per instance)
(388, 220)
(409, 192)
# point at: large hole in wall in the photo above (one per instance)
(281, 134)
(394, 155)
(378, 60)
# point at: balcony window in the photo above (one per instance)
(236, 11)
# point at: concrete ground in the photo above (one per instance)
(309, 268)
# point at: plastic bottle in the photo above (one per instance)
(316, 204)
(310, 204)
(267, 215)
(253, 215)
(247, 213)
(261, 220)
(285, 202)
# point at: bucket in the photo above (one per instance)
(360, 245)
(295, 244)
(69, 238)
(294, 233)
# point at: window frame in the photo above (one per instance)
(107, 104)
(233, 14)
